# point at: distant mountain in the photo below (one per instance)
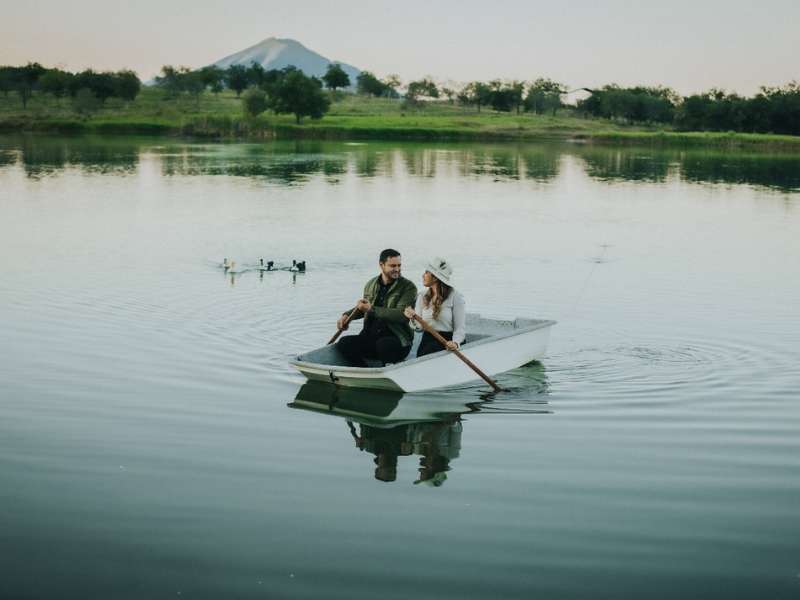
(276, 53)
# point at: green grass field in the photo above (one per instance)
(354, 117)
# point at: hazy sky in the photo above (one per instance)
(691, 45)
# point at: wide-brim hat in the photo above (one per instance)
(441, 269)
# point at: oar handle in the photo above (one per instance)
(346, 322)
(458, 353)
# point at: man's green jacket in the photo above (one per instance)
(402, 293)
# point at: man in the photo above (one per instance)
(386, 335)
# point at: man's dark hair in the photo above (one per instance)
(387, 254)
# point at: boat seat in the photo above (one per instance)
(330, 354)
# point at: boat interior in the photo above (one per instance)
(478, 328)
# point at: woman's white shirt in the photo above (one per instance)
(452, 316)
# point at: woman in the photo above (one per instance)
(441, 306)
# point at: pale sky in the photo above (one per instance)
(690, 45)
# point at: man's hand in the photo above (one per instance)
(409, 313)
(342, 323)
(363, 306)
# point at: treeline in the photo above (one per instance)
(771, 110)
(283, 87)
(85, 87)
(287, 90)
(541, 96)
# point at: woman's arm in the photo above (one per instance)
(459, 319)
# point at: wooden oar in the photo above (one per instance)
(468, 362)
(346, 322)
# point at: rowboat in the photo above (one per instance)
(495, 345)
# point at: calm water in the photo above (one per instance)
(155, 444)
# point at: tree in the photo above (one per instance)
(273, 78)
(213, 78)
(255, 74)
(126, 85)
(477, 93)
(544, 95)
(421, 89)
(392, 82)
(301, 95)
(501, 96)
(6, 80)
(170, 80)
(24, 80)
(236, 78)
(255, 101)
(463, 97)
(515, 92)
(636, 104)
(193, 83)
(335, 77)
(85, 102)
(182, 79)
(369, 85)
(102, 85)
(784, 107)
(55, 82)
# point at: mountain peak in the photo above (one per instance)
(277, 53)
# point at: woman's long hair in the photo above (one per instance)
(442, 292)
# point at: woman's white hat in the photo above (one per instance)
(441, 269)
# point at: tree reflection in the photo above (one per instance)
(296, 162)
(8, 157)
(44, 156)
(779, 172)
(626, 164)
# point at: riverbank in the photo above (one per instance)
(351, 117)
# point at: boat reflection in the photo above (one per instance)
(390, 424)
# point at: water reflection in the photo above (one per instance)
(539, 163)
(779, 172)
(280, 164)
(775, 171)
(389, 425)
(628, 164)
(43, 156)
(7, 157)
(296, 162)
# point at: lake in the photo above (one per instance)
(154, 442)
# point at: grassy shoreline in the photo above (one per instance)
(357, 118)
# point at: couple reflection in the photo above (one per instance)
(436, 443)
(390, 425)
(380, 424)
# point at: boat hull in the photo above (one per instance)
(494, 354)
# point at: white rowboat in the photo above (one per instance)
(494, 345)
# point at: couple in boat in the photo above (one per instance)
(389, 305)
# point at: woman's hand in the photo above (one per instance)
(451, 345)
(409, 313)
